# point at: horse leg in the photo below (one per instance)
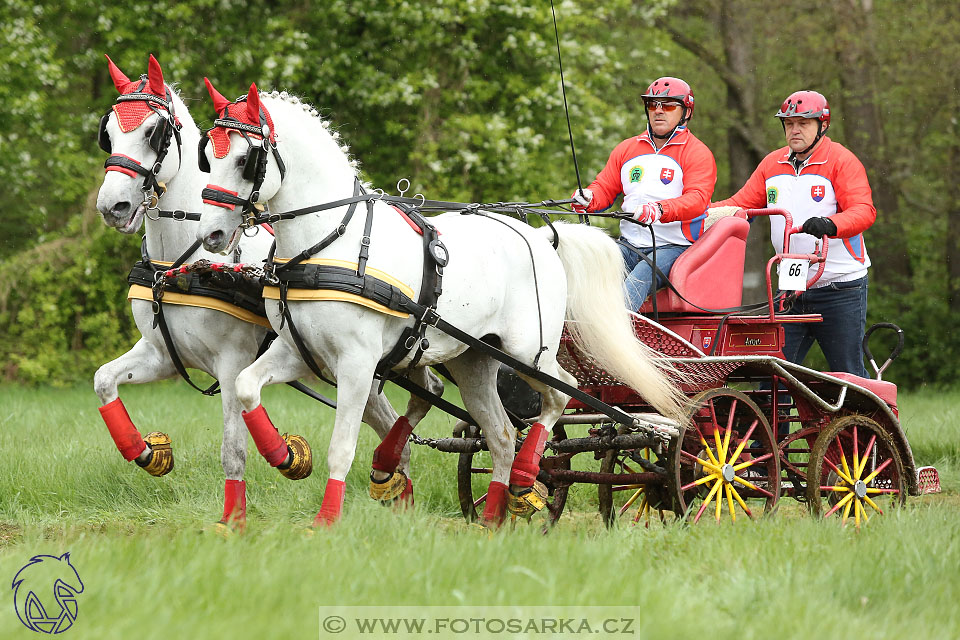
(393, 453)
(290, 454)
(477, 378)
(233, 450)
(523, 498)
(143, 363)
(354, 378)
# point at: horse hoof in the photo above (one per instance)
(160, 461)
(528, 502)
(225, 529)
(390, 489)
(301, 463)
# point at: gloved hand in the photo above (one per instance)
(716, 213)
(649, 213)
(582, 200)
(817, 227)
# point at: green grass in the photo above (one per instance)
(153, 569)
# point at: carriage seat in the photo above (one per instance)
(886, 391)
(710, 273)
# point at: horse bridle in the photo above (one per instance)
(254, 166)
(166, 129)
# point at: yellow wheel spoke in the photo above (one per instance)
(743, 504)
(706, 447)
(843, 461)
(733, 512)
(707, 500)
(836, 488)
(716, 438)
(704, 479)
(846, 509)
(726, 440)
(856, 512)
(872, 504)
(636, 494)
(720, 500)
(708, 466)
(859, 467)
(748, 485)
(877, 471)
(845, 503)
(845, 475)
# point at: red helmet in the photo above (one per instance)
(674, 89)
(806, 104)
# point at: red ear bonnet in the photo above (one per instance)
(155, 76)
(246, 111)
(132, 113)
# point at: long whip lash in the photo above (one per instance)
(563, 90)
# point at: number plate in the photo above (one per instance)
(793, 274)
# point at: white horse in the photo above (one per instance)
(504, 283)
(218, 341)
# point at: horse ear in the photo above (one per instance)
(219, 102)
(120, 81)
(253, 104)
(155, 77)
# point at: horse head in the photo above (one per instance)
(142, 134)
(237, 153)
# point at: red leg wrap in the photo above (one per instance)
(269, 443)
(386, 457)
(332, 504)
(235, 501)
(407, 496)
(124, 434)
(496, 506)
(526, 465)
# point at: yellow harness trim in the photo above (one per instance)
(273, 293)
(139, 292)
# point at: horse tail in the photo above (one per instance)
(599, 322)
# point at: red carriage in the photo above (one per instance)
(757, 427)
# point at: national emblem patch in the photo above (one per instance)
(666, 176)
(817, 192)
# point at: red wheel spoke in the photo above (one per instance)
(861, 464)
(743, 442)
(480, 501)
(877, 471)
(752, 461)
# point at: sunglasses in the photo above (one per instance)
(653, 105)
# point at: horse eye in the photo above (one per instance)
(149, 132)
(241, 161)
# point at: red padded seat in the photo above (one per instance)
(886, 391)
(710, 273)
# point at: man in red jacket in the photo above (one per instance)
(825, 189)
(666, 176)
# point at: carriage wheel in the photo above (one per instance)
(634, 503)
(473, 478)
(855, 468)
(726, 459)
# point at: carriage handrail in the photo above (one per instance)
(818, 257)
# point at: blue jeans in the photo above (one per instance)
(640, 275)
(843, 306)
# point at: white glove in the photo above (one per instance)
(648, 213)
(582, 200)
(716, 213)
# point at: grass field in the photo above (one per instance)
(153, 569)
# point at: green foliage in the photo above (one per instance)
(462, 97)
(63, 309)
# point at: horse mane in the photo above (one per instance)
(326, 126)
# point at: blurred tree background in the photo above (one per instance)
(463, 98)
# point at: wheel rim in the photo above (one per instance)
(856, 471)
(725, 459)
(473, 478)
(634, 503)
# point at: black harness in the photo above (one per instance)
(166, 130)
(254, 165)
(295, 274)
